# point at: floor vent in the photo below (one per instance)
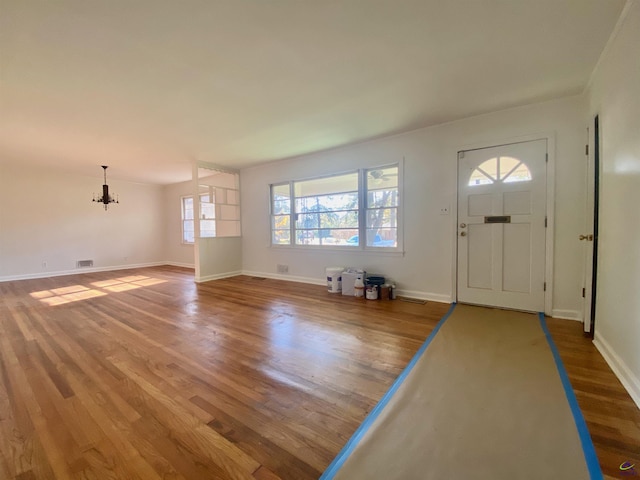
(84, 263)
(412, 300)
(259, 278)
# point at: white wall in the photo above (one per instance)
(426, 269)
(176, 252)
(218, 257)
(615, 96)
(47, 216)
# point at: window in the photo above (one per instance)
(338, 210)
(500, 169)
(207, 218)
(382, 207)
(326, 210)
(281, 214)
(187, 220)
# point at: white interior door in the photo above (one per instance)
(501, 225)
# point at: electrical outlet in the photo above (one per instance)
(44, 264)
(444, 210)
(283, 268)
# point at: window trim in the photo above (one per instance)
(399, 216)
(290, 214)
(362, 214)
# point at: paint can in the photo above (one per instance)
(334, 279)
(372, 292)
(384, 292)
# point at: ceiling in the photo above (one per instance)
(147, 86)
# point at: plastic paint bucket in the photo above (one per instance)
(334, 279)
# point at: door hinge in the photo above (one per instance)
(545, 222)
(586, 149)
(544, 288)
(546, 157)
(583, 292)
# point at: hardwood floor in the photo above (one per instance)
(145, 374)
(612, 417)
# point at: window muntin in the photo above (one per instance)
(382, 202)
(500, 169)
(338, 210)
(519, 173)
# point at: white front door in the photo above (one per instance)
(501, 225)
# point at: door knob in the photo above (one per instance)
(588, 238)
(463, 234)
(462, 225)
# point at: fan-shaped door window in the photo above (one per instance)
(500, 170)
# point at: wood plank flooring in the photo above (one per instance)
(145, 374)
(612, 417)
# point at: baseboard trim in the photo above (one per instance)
(217, 276)
(289, 278)
(630, 382)
(567, 314)
(430, 297)
(433, 297)
(78, 271)
(179, 264)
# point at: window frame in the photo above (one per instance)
(362, 209)
(183, 219)
(295, 213)
(184, 241)
(499, 177)
(366, 208)
(272, 215)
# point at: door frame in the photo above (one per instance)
(550, 137)
(592, 215)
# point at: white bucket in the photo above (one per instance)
(372, 292)
(334, 279)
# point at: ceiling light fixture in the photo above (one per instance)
(105, 199)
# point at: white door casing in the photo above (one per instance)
(501, 226)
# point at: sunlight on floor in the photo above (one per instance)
(60, 296)
(75, 293)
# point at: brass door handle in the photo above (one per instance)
(588, 238)
(463, 234)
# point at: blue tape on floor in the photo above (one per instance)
(595, 473)
(337, 463)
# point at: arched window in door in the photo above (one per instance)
(500, 170)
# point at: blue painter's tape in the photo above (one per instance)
(595, 473)
(337, 463)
